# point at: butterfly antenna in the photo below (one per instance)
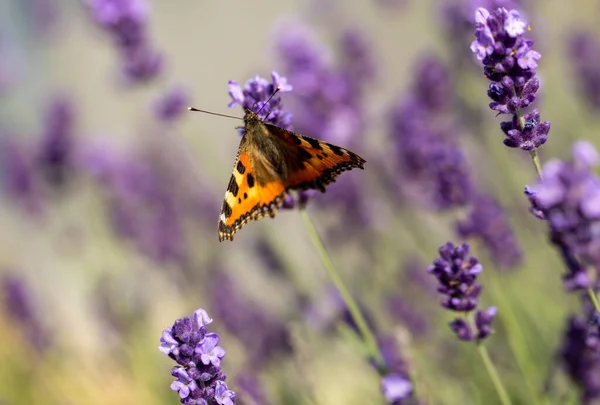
(214, 113)
(267, 102)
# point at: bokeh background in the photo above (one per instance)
(109, 203)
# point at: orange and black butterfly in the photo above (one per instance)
(270, 162)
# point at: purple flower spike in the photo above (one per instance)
(584, 52)
(254, 95)
(510, 63)
(200, 380)
(568, 197)
(581, 363)
(396, 384)
(55, 152)
(457, 273)
(126, 21)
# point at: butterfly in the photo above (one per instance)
(270, 162)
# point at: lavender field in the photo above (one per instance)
(461, 266)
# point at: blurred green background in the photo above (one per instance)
(101, 301)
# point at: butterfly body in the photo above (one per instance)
(270, 162)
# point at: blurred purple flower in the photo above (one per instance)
(425, 139)
(407, 313)
(266, 335)
(172, 104)
(126, 21)
(145, 199)
(510, 63)
(584, 52)
(328, 101)
(568, 196)
(488, 222)
(272, 261)
(18, 172)
(19, 306)
(198, 381)
(457, 274)
(581, 363)
(396, 384)
(250, 390)
(254, 97)
(55, 151)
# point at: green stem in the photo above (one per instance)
(367, 336)
(594, 299)
(489, 365)
(536, 162)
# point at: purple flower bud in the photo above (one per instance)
(483, 322)
(172, 104)
(462, 330)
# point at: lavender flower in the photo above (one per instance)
(126, 21)
(19, 306)
(510, 63)
(457, 273)
(568, 197)
(328, 100)
(581, 363)
(18, 175)
(254, 97)
(200, 380)
(172, 104)
(258, 329)
(250, 389)
(396, 385)
(584, 52)
(425, 139)
(145, 200)
(56, 146)
(487, 221)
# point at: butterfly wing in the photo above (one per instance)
(248, 196)
(313, 164)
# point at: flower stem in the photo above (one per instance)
(594, 299)
(489, 365)
(367, 335)
(536, 162)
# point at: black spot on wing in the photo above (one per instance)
(233, 186)
(226, 209)
(241, 168)
(250, 179)
(304, 154)
(313, 142)
(245, 195)
(295, 138)
(336, 149)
